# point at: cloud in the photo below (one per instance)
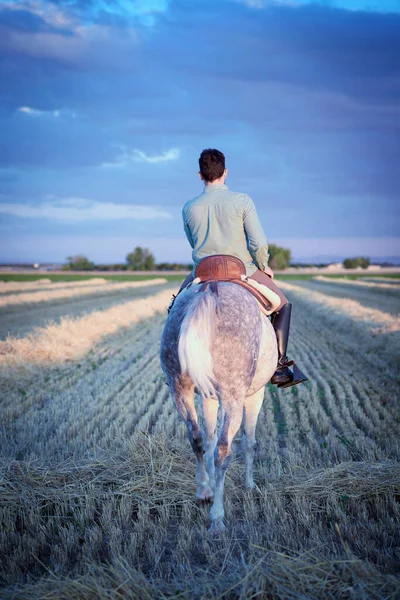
(137, 155)
(171, 154)
(354, 5)
(82, 209)
(306, 109)
(35, 112)
(51, 14)
(65, 14)
(66, 35)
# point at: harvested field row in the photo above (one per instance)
(362, 304)
(54, 295)
(387, 301)
(73, 338)
(94, 508)
(47, 284)
(378, 285)
(22, 320)
(391, 280)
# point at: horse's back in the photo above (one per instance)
(240, 335)
(237, 336)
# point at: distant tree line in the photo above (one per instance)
(354, 263)
(279, 258)
(140, 259)
(78, 263)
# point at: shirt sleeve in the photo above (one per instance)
(256, 239)
(187, 230)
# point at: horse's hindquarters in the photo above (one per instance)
(223, 339)
(267, 358)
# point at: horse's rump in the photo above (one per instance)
(215, 339)
(220, 344)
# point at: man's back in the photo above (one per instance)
(223, 222)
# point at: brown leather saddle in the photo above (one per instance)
(224, 267)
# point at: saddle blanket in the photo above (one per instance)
(272, 298)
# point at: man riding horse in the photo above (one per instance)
(223, 222)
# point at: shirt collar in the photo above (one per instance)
(212, 187)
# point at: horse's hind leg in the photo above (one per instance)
(252, 406)
(231, 422)
(210, 413)
(183, 394)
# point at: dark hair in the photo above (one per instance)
(212, 164)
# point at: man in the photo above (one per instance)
(223, 222)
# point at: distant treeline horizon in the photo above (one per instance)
(141, 259)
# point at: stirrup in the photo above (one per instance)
(298, 376)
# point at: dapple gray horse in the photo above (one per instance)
(222, 346)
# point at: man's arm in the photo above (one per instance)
(257, 241)
(186, 228)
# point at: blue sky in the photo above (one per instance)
(106, 106)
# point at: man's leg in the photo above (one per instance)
(266, 280)
(280, 319)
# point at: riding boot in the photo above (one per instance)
(283, 376)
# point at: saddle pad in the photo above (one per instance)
(272, 298)
(267, 306)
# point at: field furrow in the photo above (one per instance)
(335, 385)
(73, 338)
(379, 286)
(20, 321)
(12, 302)
(41, 285)
(98, 475)
(386, 299)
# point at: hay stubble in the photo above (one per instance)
(96, 496)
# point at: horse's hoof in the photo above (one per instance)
(216, 528)
(205, 496)
(204, 501)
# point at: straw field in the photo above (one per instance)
(97, 476)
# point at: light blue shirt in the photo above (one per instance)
(223, 222)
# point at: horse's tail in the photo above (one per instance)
(195, 340)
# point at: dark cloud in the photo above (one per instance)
(304, 102)
(25, 21)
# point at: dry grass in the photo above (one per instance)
(378, 284)
(98, 478)
(125, 526)
(45, 283)
(73, 338)
(10, 300)
(380, 321)
(392, 280)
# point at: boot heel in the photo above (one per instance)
(298, 377)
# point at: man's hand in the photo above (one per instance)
(269, 272)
